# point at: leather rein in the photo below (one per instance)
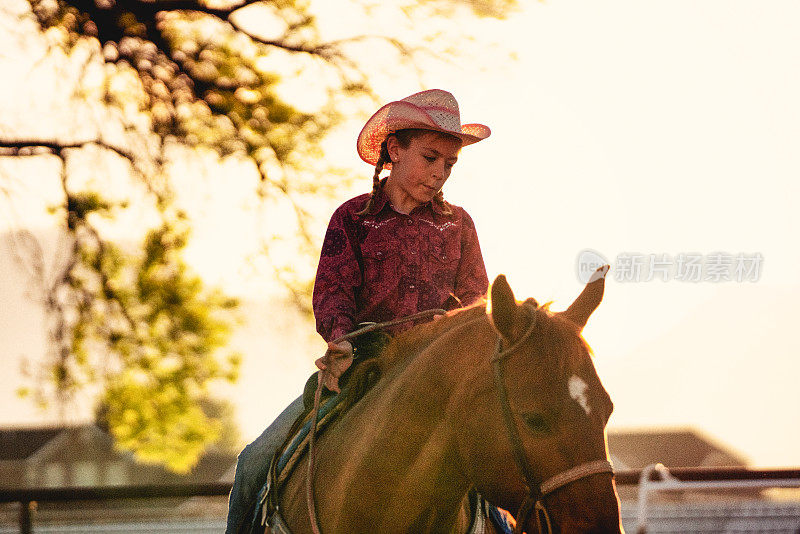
(534, 500)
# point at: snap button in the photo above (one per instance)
(409, 222)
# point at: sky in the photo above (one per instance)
(623, 127)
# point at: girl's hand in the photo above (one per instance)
(337, 360)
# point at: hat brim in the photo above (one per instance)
(401, 115)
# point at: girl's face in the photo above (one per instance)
(420, 170)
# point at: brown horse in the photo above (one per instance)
(503, 398)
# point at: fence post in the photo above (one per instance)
(663, 474)
(25, 516)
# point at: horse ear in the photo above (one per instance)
(580, 310)
(502, 307)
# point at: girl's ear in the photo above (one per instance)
(393, 148)
(502, 308)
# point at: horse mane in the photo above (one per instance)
(403, 348)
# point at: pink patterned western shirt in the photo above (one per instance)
(385, 265)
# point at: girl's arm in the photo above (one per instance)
(471, 280)
(338, 276)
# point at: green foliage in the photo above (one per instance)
(151, 333)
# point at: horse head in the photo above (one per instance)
(536, 444)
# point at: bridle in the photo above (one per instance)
(534, 500)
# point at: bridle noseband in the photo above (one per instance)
(536, 491)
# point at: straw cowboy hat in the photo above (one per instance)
(435, 110)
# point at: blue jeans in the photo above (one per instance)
(252, 466)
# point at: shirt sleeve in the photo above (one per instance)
(338, 276)
(471, 279)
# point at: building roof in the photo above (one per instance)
(25, 452)
(680, 447)
(20, 443)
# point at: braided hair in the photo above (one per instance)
(383, 159)
(404, 138)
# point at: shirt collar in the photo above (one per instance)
(380, 200)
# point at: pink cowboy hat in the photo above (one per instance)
(434, 109)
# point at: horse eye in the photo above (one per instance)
(537, 423)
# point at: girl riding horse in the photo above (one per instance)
(393, 252)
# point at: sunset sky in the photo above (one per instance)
(624, 127)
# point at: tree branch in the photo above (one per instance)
(56, 148)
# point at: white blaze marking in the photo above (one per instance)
(577, 390)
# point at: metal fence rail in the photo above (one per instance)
(28, 498)
(707, 474)
(657, 478)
